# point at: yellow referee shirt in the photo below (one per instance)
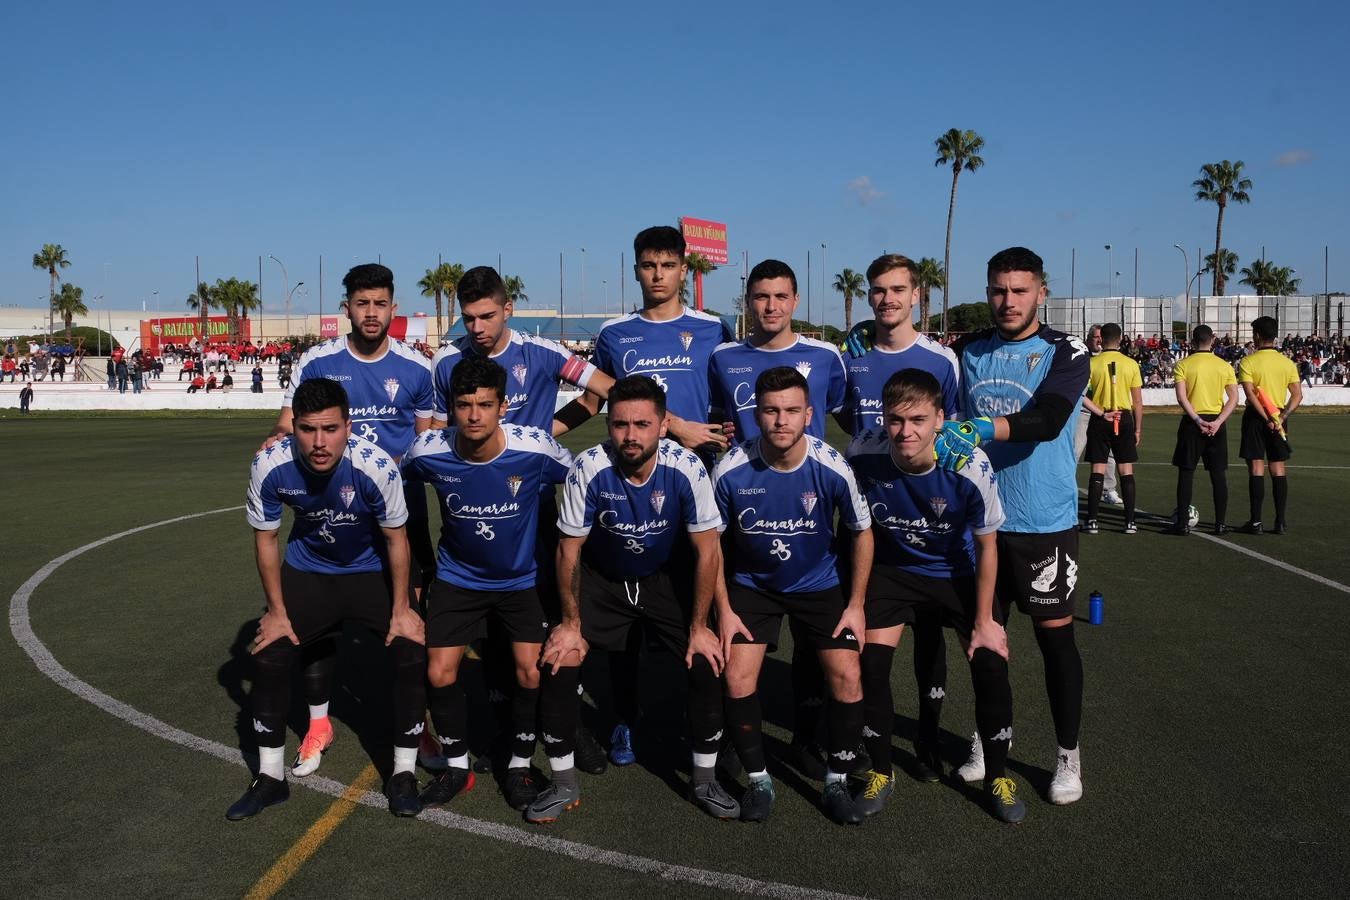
(1272, 370)
(1112, 393)
(1206, 378)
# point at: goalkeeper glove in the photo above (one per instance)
(956, 442)
(860, 339)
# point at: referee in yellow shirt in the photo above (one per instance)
(1116, 401)
(1207, 392)
(1274, 373)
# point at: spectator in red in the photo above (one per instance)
(188, 367)
(8, 367)
(197, 384)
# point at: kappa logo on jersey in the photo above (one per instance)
(391, 388)
(521, 371)
(348, 494)
(804, 368)
(658, 501)
(939, 505)
(809, 501)
(513, 482)
(686, 338)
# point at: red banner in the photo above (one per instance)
(706, 238)
(328, 327)
(183, 330)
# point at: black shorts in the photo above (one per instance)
(1102, 440)
(898, 597)
(458, 616)
(1259, 442)
(1192, 446)
(818, 613)
(318, 604)
(1038, 572)
(610, 609)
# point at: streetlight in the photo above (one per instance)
(604, 285)
(97, 330)
(582, 306)
(289, 294)
(824, 288)
(285, 279)
(1110, 283)
(1186, 261)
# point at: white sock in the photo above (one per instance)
(834, 776)
(459, 762)
(518, 762)
(405, 758)
(761, 774)
(705, 760)
(561, 763)
(318, 711)
(272, 762)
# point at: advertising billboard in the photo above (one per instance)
(706, 238)
(183, 330)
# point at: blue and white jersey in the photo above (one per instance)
(630, 529)
(489, 510)
(923, 523)
(867, 375)
(387, 395)
(782, 523)
(338, 515)
(674, 354)
(1037, 481)
(534, 368)
(735, 366)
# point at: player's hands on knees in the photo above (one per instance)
(273, 627)
(405, 623)
(728, 626)
(860, 339)
(989, 635)
(703, 642)
(563, 641)
(854, 620)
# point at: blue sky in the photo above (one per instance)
(141, 137)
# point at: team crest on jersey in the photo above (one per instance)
(348, 494)
(513, 482)
(939, 505)
(520, 370)
(658, 501)
(1032, 360)
(804, 367)
(809, 501)
(686, 338)
(391, 388)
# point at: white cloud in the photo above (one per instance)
(1293, 157)
(865, 192)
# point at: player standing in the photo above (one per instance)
(346, 560)
(1116, 402)
(1207, 393)
(778, 496)
(1267, 372)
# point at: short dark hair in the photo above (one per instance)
(475, 372)
(366, 276)
(481, 282)
(1016, 259)
(638, 387)
(889, 262)
(910, 386)
(659, 239)
(1202, 334)
(780, 378)
(770, 268)
(1111, 333)
(1265, 328)
(317, 394)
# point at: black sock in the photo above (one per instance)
(843, 724)
(744, 720)
(1256, 489)
(808, 688)
(558, 703)
(1279, 490)
(1185, 491)
(1095, 482)
(878, 705)
(1127, 495)
(318, 667)
(706, 721)
(993, 709)
(524, 715)
(409, 660)
(270, 698)
(449, 712)
(1063, 681)
(930, 675)
(1218, 480)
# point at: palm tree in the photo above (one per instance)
(960, 149)
(51, 257)
(1228, 261)
(850, 284)
(202, 300)
(515, 289)
(1221, 182)
(236, 299)
(68, 304)
(1270, 280)
(699, 265)
(931, 275)
(439, 282)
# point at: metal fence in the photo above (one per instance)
(1319, 314)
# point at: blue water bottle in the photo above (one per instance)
(1096, 608)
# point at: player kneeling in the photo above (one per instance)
(349, 529)
(620, 562)
(779, 495)
(935, 554)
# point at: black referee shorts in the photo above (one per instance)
(1103, 442)
(1259, 442)
(1192, 446)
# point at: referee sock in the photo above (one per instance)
(1279, 490)
(745, 720)
(1127, 495)
(1063, 681)
(878, 705)
(1185, 491)
(1218, 480)
(1095, 482)
(1256, 490)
